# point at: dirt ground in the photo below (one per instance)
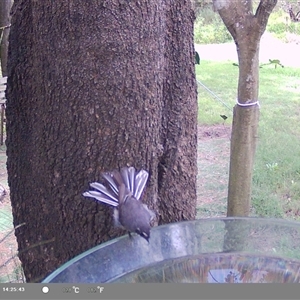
(213, 168)
(206, 132)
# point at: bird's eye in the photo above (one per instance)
(141, 233)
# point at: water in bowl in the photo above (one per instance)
(218, 268)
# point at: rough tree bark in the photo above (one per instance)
(5, 6)
(246, 29)
(91, 88)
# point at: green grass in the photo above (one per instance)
(276, 180)
(217, 77)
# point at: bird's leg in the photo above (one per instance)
(129, 233)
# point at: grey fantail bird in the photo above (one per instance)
(125, 190)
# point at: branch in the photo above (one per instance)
(239, 19)
(263, 12)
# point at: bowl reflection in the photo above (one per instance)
(208, 250)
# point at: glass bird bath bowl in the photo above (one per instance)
(209, 250)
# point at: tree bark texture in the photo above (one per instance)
(92, 87)
(5, 6)
(246, 29)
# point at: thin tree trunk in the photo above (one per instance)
(246, 29)
(244, 133)
(95, 87)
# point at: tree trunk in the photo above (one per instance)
(92, 88)
(5, 6)
(246, 30)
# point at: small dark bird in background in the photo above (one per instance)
(223, 117)
(197, 58)
(125, 188)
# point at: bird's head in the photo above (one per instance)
(144, 233)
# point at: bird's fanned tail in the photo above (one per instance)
(123, 191)
(134, 182)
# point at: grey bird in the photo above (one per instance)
(124, 191)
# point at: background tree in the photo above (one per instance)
(5, 6)
(91, 88)
(246, 29)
